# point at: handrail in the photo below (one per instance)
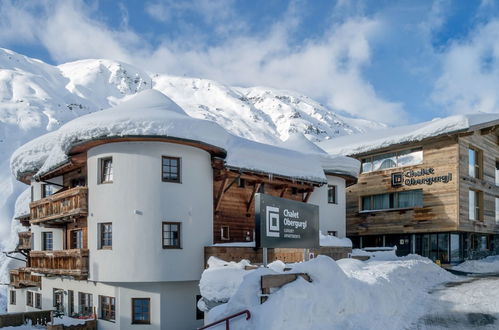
(227, 319)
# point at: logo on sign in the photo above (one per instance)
(397, 179)
(272, 221)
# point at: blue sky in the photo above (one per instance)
(391, 61)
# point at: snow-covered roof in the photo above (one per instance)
(331, 164)
(152, 114)
(362, 143)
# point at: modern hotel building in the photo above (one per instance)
(430, 188)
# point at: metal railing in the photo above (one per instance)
(227, 320)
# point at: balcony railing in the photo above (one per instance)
(22, 278)
(60, 207)
(63, 262)
(24, 241)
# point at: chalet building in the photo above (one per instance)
(124, 201)
(430, 188)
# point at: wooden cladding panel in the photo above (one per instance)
(440, 201)
(236, 207)
(488, 148)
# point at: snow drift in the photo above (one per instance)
(348, 294)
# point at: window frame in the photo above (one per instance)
(136, 321)
(334, 199)
(111, 308)
(397, 153)
(45, 240)
(225, 229)
(75, 239)
(393, 198)
(102, 240)
(478, 207)
(179, 169)
(29, 298)
(71, 302)
(88, 300)
(478, 165)
(12, 297)
(38, 300)
(103, 172)
(179, 244)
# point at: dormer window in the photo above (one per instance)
(106, 170)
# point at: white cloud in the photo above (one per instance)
(329, 68)
(470, 72)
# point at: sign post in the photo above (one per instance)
(284, 223)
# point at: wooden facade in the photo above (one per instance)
(233, 204)
(72, 262)
(445, 204)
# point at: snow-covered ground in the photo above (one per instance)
(486, 265)
(348, 294)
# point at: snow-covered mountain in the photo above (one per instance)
(36, 97)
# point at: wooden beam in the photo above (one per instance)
(256, 187)
(283, 191)
(220, 194)
(307, 196)
(230, 185)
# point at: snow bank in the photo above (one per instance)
(68, 321)
(348, 294)
(328, 240)
(377, 139)
(151, 113)
(221, 279)
(486, 265)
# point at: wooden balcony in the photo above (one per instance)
(23, 278)
(60, 207)
(24, 241)
(64, 262)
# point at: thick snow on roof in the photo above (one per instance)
(151, 113)
(336, 164)
(373, 140)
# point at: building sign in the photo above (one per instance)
(418, 177)
(284, 223)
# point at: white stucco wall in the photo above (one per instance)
(57, 236)
(138, 201)
(332, 217)
(172, 304)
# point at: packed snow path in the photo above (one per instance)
(467, 304)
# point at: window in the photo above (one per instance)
(106, 170)
(474, 205)
(77, 239)
(71, 302)
(58, 298)
(12, 297)
(47, 241)
(396, 200)
(38, 300)
(107, 308)
(497, 210)
(106, 235)
(170, 171)
(241, 183)
(48, 189)
(294, 190)
(331, 195)
(224, 233)
(391, 160)
(171, 235)
(474, 163)
(141, 313)
(497, 173)
(29, 298)
(85, 304)
(332, 233)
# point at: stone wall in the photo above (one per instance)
(232, 253)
